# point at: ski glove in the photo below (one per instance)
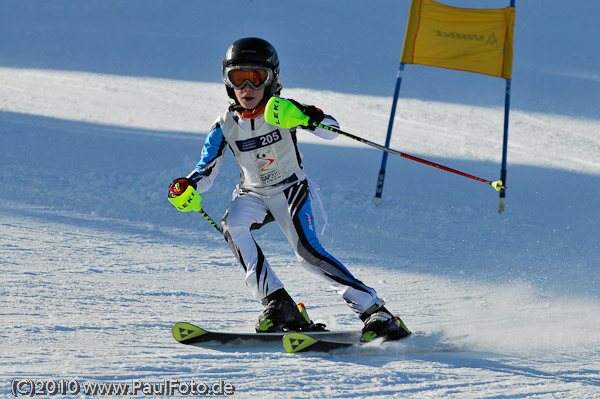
(183, 195)
(314, 113)
(179, 185)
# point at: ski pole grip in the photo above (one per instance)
(188, 201)
(284, 113)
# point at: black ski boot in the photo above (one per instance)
(281, 313)
(380, 323)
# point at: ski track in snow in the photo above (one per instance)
(97, 266)
(93, 304)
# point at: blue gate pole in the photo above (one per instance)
(381, 177)
(502, 199)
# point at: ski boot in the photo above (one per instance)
(379, 322)
(281, 313)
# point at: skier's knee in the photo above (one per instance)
(234, 231)
(226, 224)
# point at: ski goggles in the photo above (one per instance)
(237, 76)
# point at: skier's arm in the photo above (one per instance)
(211, 160)
(316, 115)
(323, 133)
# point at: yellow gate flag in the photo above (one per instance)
(467, 39)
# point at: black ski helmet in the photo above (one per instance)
(254, 51)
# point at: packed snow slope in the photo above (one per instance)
(96, 264)
(102, 104)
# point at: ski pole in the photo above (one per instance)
(283, 113)
(209, 219)
(497, 184)
(184, 197)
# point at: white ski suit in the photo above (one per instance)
(273, 186)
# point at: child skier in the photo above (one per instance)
(274, 186)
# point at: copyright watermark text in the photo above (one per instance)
(39, 387)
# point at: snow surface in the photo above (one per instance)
(96, 265)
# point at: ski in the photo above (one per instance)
(299, 342)
(190, 334)
(296, 342)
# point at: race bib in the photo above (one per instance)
(267, 166)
